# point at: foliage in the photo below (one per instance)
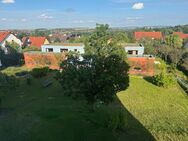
(149, 111)
(117, 120)
(150, 45)
(8, 81)
(185, 41)
(163, 52)
(163, 80)
(32, 48)
(101, 74)
(174, 41)
(41, 32)
(57, 40)
(82, 39)
(39, 72)
(184, 63)
(120, 37)
(14, 46)
(21, 35)
(175, 56)
(114, 118)
(28, 80)
(13, 57)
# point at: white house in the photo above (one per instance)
(134, 49)
(8, 37)
(65, 47)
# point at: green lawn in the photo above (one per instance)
(33, 113)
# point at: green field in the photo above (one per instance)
(34, 113)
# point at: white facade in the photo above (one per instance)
(64, 48)
(137, 50)
(10, 38)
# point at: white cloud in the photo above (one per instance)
(134, 18)
(23, 20)
(78, 21)
(138, 6)
(45, 16)
(8, 1)
(3, 19)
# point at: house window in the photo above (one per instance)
(63, 50)
(130, 52)
(138, 69)
(49, 50)
(133, 52)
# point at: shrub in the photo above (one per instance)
(163, 80)
(32, 48)
(113, 121)
(40, 72)
(21, 74)
(8, 81)
(117, 120)
(28, 80)
(110, 117)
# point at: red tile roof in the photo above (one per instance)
(3, 35)
(152, 35)
(35, 41)
(181, 35)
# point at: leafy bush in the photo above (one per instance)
(8, 81)
(110, 117)
(39, 72)
(29, 80)
(21, 74)
(117, 120)
(32, 48)
(12, 58)
(100, 73)
(163, 80)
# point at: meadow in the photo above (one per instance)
(34, 113)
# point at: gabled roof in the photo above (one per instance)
(152, 35)
(181, 35)
(3, 35)
(34, 41)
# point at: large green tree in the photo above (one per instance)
(101, 74)
(174, 41)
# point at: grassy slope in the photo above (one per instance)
(164, 112)
(35, 113)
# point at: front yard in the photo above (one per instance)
(34, 113)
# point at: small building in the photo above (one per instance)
(134, 49)
(140, 64)
(181, 35)
(148, 35)
(34, 42)
(63, 48)
(8, 37)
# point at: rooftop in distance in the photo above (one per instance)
(131, 45)
(66, 44)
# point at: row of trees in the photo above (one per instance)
(170, 49)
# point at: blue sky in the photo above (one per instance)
(24, 14)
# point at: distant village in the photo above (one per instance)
(40, 51)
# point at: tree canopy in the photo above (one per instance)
(101, 74)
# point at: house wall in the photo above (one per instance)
(39, 59)
(11, 38)
(57, 48)
(145, 64)
(139, 49)
(46, 42)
